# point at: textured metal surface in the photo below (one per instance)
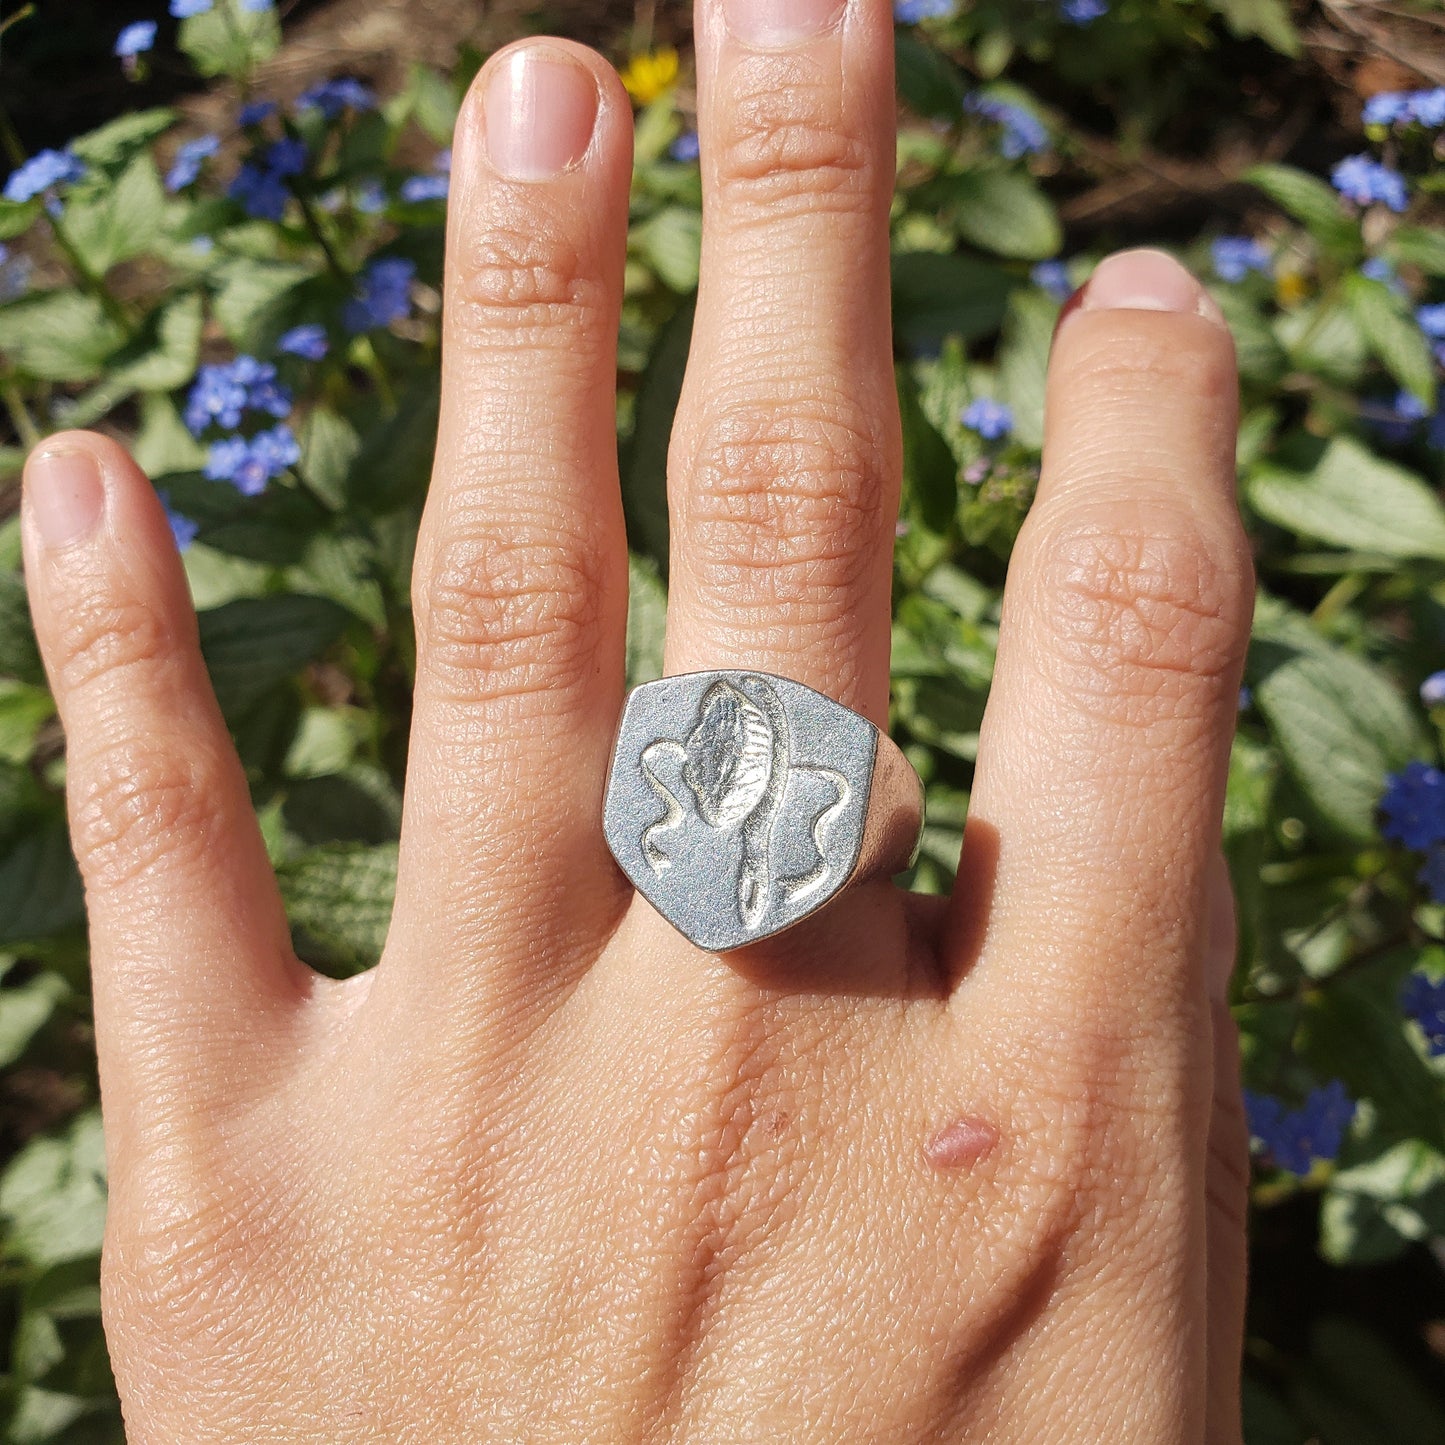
(738, 802)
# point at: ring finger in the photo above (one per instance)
(785, 456)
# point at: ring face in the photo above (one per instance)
(736, 801)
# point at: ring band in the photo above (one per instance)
(738, 803)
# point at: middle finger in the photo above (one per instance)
(785, 457)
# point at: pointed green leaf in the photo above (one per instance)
(1391, 333)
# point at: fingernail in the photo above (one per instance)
(540, 110)
(1146, 281)
(66, 496)
(780, 22)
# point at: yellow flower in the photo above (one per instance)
(651, 75)
(1290, 288)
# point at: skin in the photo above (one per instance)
(912, 1171)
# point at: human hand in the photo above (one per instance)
(907, 1172)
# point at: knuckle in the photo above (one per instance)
(139, 806)
(500, 620)
(1137, 618)
(533, 276)
(788, 144)
(105, 636)
(784, 509)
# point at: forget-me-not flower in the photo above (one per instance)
(189, 160)
(1023, 132)
(263, 193)
(383, 294)
(1294, 1138)
(1423, 1000)
(1413, 805)
(135, 39)
(187, 9)
(1053, 277)
(989, 418)
(332, 97)
(1083, 12)
(910, 12)
(43, 172)
(307, 341)
(1235, 257)
(686, 147)
(255, 112)
(250, 464)
(1365, 181)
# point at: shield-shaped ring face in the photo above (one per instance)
(737, 801)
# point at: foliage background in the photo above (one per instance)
(1030, 132)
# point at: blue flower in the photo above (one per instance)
(989, 418)
(1432, 690)
(223, 392)
(910, 12)
(383, 294)
(370, 198)
(1364, 181)
(1423, 1000)
(1413, 805)
(1235, 257)
(1246, 700)
(262, 193)
(286, 157)
(1053, 277)
(250, 465)
(256, 113)
(331, 97)
(1432, 873)
(442, 165)
(189, 160)
(1023, 133)
(1386, 108)
(14, 274)
(1083, 12)
(308, 342)
(1427, 107)
(185, 9)
(44, 171)
(135, 39)
(417, 189)
(685, 148)
(1377, 268)
(1432, 320)
(183, 529)
(1294, 1138)
(257, 7)
(1397, 419)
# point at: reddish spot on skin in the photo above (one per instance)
(961, 1143)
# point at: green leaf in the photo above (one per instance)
(1352, 1030)
(120, 219)
(646, 620)
(929, 83)
(1324, 340)
(1341, 725)
(19, 655)
(1005, 211)
(330, 446)
(395, 459)
(24, 1011)
(357, 805)
(1372, 1211)
(935, 296)
(53, 1194)
(1419, 246)
(1391, 333)
(432, 100)
(1311, 202)
(254, 643)
(1261, 357)
(40, 892)
(58, 335)
(340, 897)
(1268, 19)
(247, 289)
(1023, 361)
(116, 142)
(1353, 499)
(17, 217)
(930, 473)
(644, 455)
(1267, 1421)
(671, 244)
(162, 356)
(229, 40)
(24, 710)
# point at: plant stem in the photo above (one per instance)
(318, 234)
(92, 283)
(20, 418)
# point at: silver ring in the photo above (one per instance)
(738, 803)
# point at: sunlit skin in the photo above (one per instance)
(916, 1170)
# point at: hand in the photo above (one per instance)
(908, 1172)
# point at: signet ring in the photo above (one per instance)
(738, 803)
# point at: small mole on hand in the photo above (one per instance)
(961, 1143)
